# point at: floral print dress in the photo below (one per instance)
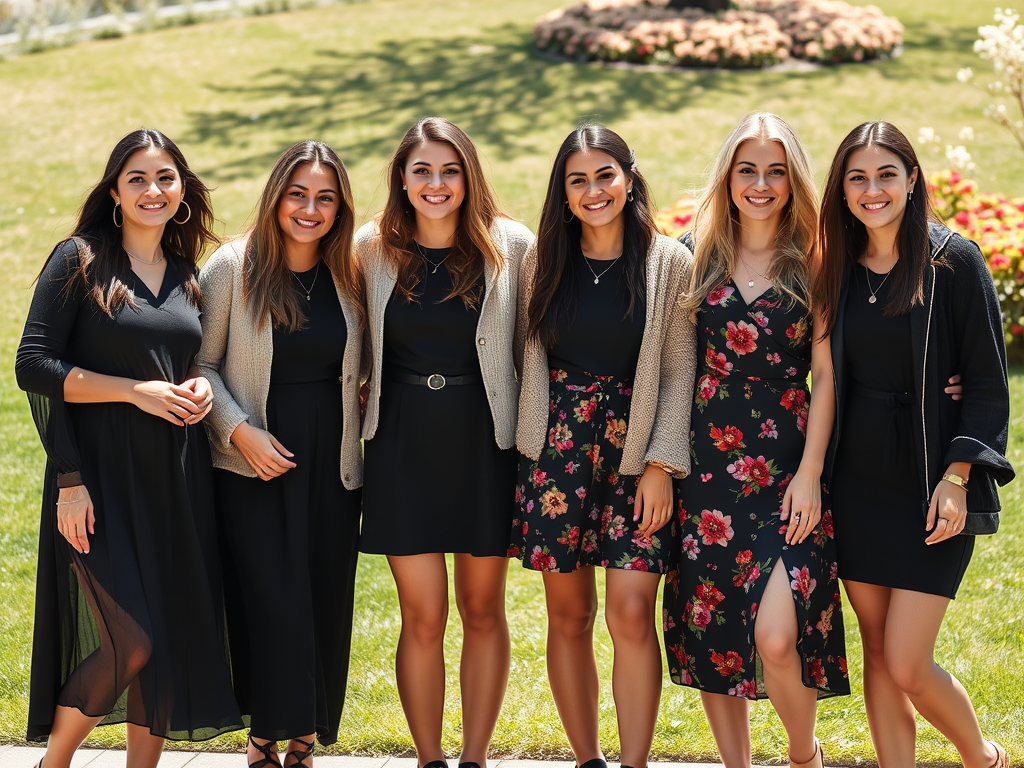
(748, 429)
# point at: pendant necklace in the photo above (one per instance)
(435, 266)
(750, 279)
(867, 276)
(309, 290)
(597, 276)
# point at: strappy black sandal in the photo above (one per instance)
(301, 754)
(269, 759)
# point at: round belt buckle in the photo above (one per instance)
(436, 381)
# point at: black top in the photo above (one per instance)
(601, 339)
(430, 335)
(882, 342)
(315, 352)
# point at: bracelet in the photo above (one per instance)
(949, 477)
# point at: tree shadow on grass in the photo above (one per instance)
(490, 84)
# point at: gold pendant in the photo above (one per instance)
(872, 299)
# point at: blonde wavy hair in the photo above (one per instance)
(716, 225)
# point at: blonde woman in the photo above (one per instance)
(281, 347)
(440, 267)
(754, 609)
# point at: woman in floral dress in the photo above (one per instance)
(753, 609)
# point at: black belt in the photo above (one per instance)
(435, 380)
(892, 399)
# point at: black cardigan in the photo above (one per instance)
(957, 329)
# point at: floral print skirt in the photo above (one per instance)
(573, 508)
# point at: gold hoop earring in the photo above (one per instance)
(629, 196)
(571, 214)
(187, 208)
(113, 215)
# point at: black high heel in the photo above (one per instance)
(469, 765)
(436, 764)
(268, 759)
(597, 762)
(302, 753)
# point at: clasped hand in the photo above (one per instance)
(180, 404)
(262, 450)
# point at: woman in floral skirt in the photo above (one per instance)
(607, 367)
(754, 608)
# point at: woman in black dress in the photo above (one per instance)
(907, 303)
(129, 612)
(281, 348)
(754, 609)
(440, 267)
(607, 373)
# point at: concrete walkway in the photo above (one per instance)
(26, 757)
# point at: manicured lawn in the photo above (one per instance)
(235, 93)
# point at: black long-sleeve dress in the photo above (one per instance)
(134, 630)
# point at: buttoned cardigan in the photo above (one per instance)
(659, 414)
(236, 358)
(494, 332)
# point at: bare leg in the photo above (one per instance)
(636, 672)
(776, 634)
(143, 748)
(889, 710)
(486, 649)
(572, 667)
(729, 718)
(70, 727)
(422, 582)
(910, 633)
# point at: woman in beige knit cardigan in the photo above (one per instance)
(440, 267)
(282, 348)
(607, 378)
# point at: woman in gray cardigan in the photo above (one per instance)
(440, 267)
(281, 348)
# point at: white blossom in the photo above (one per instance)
(965, 75)
(959, 158)
(926, 135)
(966, 134)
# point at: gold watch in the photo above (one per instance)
(949, 477)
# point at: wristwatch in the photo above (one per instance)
(949, 477)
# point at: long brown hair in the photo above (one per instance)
(716, 225)
(553, 301)
(843, 238)
(472, 246)
(103, 262)
(267, 283)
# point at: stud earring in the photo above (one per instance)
(405, 187)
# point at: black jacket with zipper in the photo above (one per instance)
(957, 329)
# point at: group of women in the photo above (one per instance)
(598, 396)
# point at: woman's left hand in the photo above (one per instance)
(801, 506)
(947, 512)
(202, 396)
(653, 507)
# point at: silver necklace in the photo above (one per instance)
(142, 261)
(750, 280)
(597, 277)
(867, 276)
(304, 288)
(435, 266)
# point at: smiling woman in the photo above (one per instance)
(129, 611)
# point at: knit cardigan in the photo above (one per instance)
(494, 330)
(659, 415)
(236, 358)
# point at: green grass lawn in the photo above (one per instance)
(234, 94)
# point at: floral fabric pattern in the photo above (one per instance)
(573, 509)
(750, 415)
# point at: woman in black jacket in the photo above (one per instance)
(906, 304)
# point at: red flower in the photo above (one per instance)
(744, 557)
(636, 564)
(746, 689)
(716, 362)
(794, 399)
(709, 594)
(714, 527)
(700, 614)
(707, 385)
(717, 295)
(815, 670)
(842, 667)
(539, 477)
(741, 337)
(728, 665)
(542, 561)
(802, 582)
(728, 439)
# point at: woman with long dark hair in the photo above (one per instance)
(440, 266)
(906, 303)
(129, 613)
(754, 609)
(607, 376)
(282, 343)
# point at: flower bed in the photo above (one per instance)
(753, 33)
(994, 222)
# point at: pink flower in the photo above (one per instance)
(715, 528)
(539, 477)
(690, 547)
(768, 429)
(802, 582)
(717, 362)
(741, 337)
(719, 294)
(542, 561)
(707, 386)
(746, 689)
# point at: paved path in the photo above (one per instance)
(26, 757)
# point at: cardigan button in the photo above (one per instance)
(348, 380)
(348, 476)
(482, 341)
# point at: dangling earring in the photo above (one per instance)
(188, 208)
(910, 195)
(114, 216)
(571, 214)
(405, 187)
(629, 196)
